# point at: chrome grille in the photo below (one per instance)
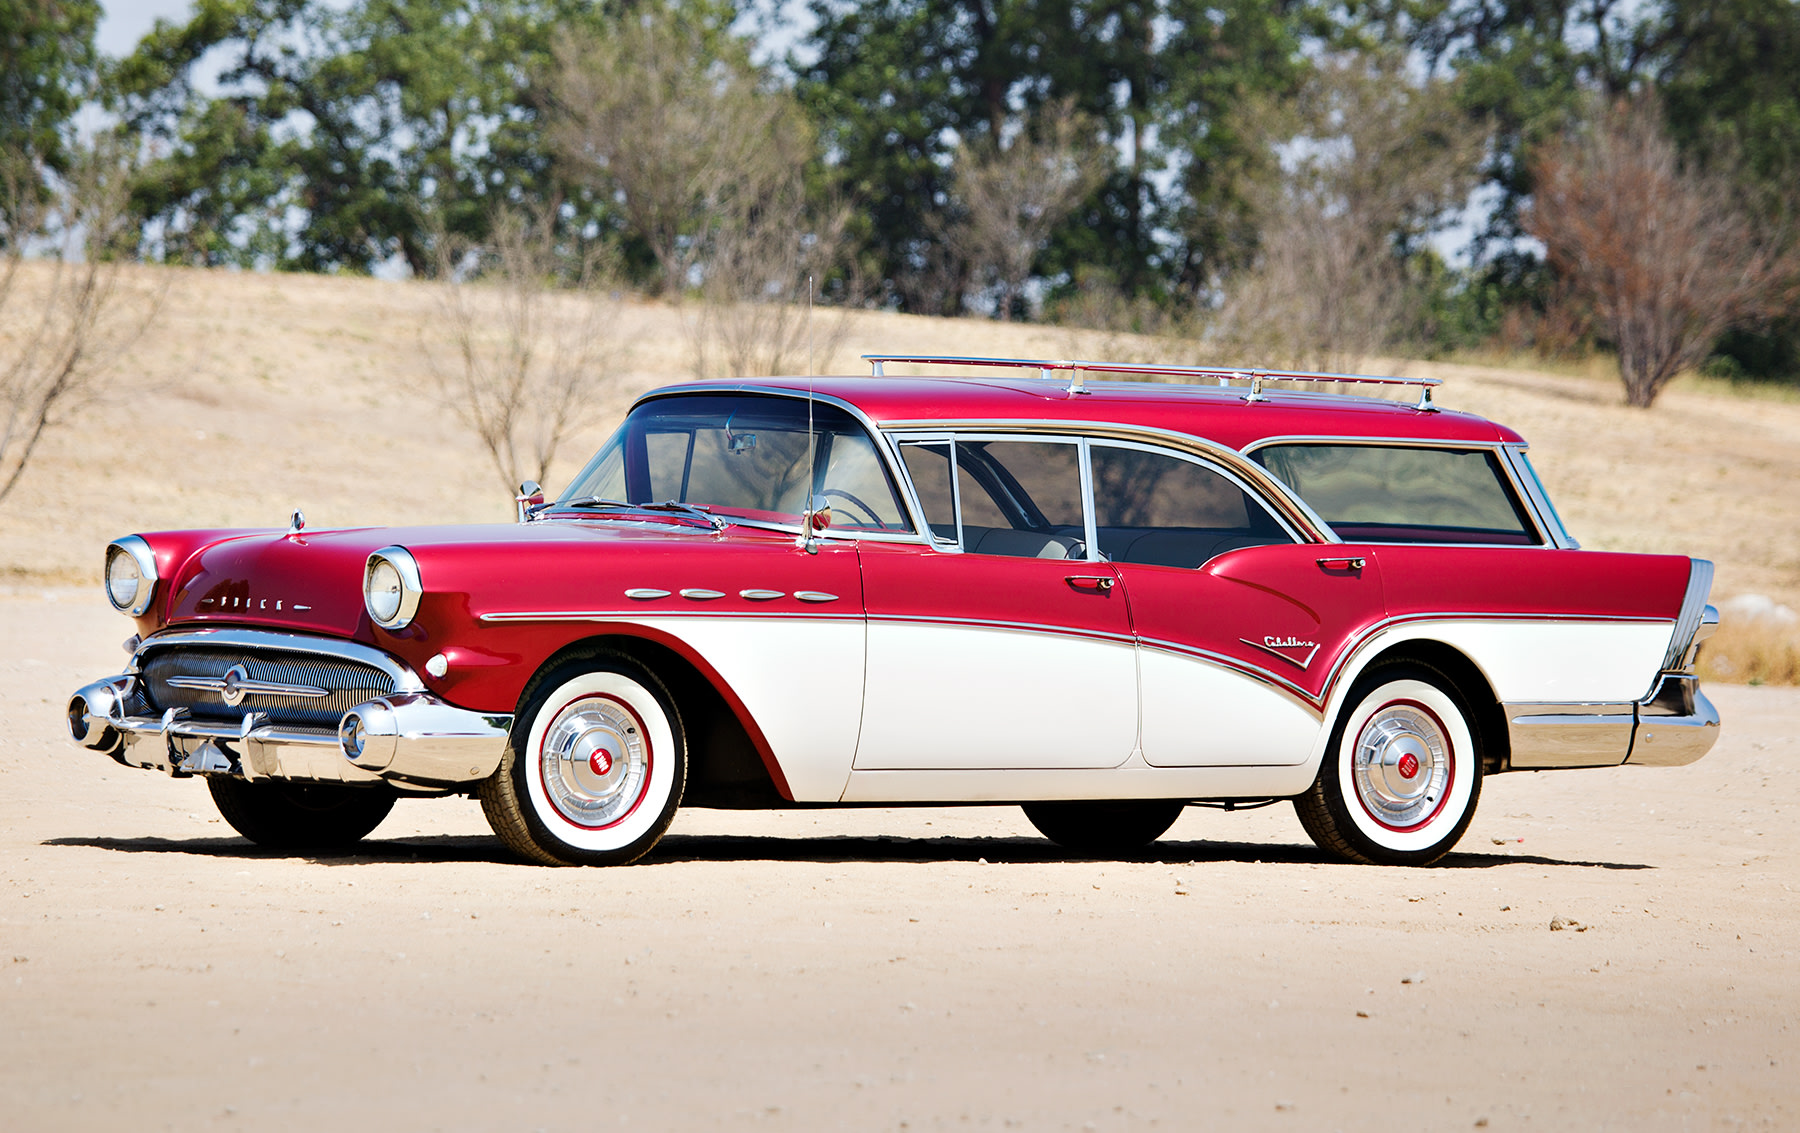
(346, 684)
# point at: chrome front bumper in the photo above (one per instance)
(1673, 726)
(411, 739)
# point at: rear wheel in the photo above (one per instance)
(1402, 775)
(299, 816)
(1104, 826)
(595, 768)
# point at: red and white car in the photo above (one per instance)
(1104, 601)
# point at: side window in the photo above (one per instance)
(1161, 509)
(1021, 498)
(857, 486)
(928, 466)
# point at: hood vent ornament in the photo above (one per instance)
(297, 524)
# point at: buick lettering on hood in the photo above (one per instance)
(1102, 592)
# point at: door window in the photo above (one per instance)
(1166, 510)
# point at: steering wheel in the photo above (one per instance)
(856, 503)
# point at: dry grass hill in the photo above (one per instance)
(255, 394)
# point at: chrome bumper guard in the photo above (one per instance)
(409, 739)
(1676, 724)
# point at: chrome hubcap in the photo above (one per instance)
(1401, 765)
(595, 761)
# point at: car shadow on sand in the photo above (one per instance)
(834, 850)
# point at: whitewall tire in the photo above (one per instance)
(595, 767)
(1401, 777)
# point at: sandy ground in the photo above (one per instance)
(255, 394)
(887, 969)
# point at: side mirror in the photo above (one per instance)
(531, 495)
(815, 519)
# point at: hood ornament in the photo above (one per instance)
(298, 523)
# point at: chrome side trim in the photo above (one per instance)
(405, 680)
(1546, 736)
(1693, 611)
(1676, 724)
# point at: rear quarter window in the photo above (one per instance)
(1401, 494)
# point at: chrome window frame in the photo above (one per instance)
(1545, 534)
(1269, 490)
(884, 449)
(1111, 436)
(1213, 466)
(1537, 496)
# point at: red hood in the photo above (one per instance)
(312, 581)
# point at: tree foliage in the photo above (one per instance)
(1669, 254)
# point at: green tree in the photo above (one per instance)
(340, 137)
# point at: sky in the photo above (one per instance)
(124, 22)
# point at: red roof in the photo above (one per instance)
(1219, 414)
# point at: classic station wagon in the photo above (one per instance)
(1104, 601)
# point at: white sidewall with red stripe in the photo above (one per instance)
(1461, 756)
(658, 782)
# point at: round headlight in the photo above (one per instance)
(391, 587)
(122, 579)
(384, 592)
(130, 574)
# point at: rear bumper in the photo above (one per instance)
(410, 739)
(1676, 725)
(1673, 726)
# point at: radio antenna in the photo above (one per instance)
(812, 472)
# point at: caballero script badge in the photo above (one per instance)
(1286, 648)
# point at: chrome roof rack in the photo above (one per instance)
(1225, 375)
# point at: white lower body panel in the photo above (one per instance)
(802, 682)
(1550, 661)
(1198, 713)
(956, 696)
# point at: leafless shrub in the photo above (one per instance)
(1009, 197)
(528, 341)
(760, 313)
(66, 320)
(1669, 255)
(1752, 652)
(1363, 161)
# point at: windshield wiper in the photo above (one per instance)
(673, 507)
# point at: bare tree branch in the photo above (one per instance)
(1669, 256)
(1364, 163)
(65, 320)
(523, 362)
(1009, 198)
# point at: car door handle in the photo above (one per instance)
(1099, 584)
(1347, 563)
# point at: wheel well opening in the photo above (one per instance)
(724, 768)
(1455, 666)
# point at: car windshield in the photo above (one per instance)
(744, 456)
(1397, 494)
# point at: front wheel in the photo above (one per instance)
(594, 769)
(1402, 774)
(282, 815)
(1104, 826)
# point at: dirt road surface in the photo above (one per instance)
(891, 969)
